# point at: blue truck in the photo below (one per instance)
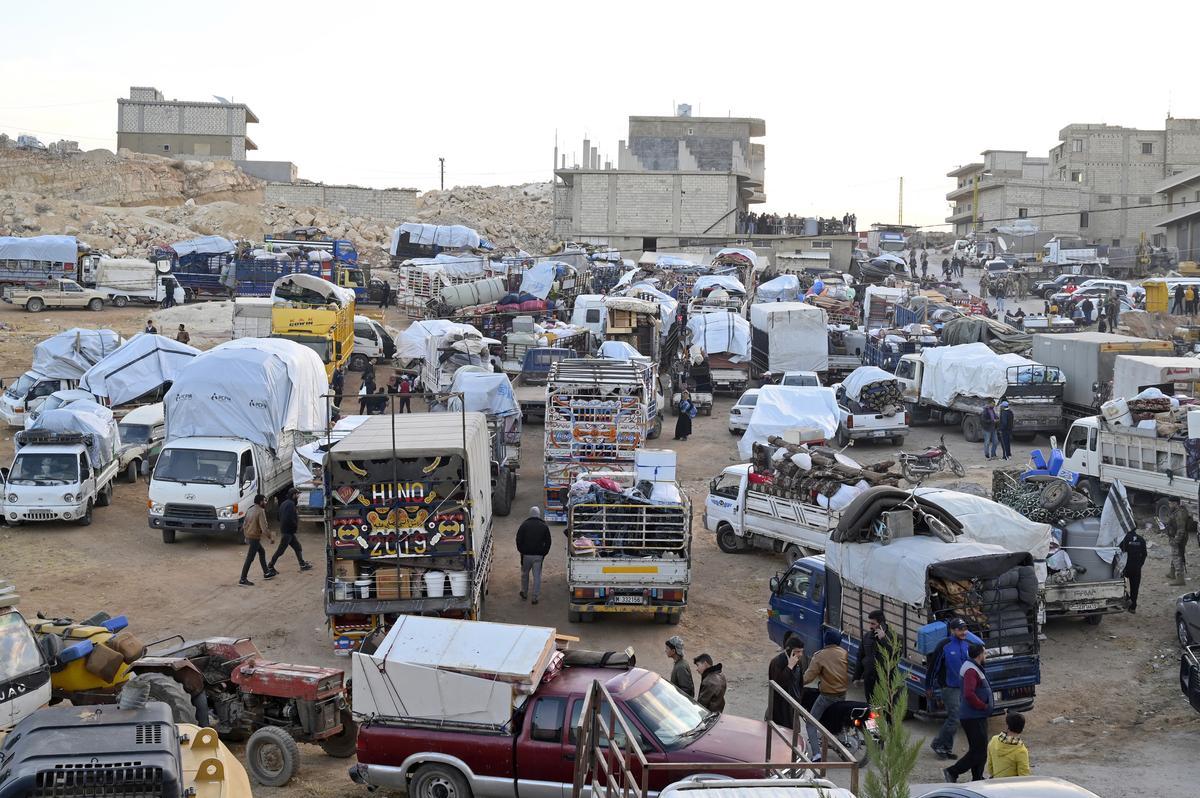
(886, 355)
(920, 583)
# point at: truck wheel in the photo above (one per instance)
(165, 689)
(842, 438)
(728, 541)
(344, 743)
(574, 616)
(673, 618)
(358, 362)
(897, 440)
(438, 781)
(272, 756)
(1093, 620)
(35, 305)
(972, 430)
(656, 429)
(96, 305)
(131, 471)
(501, 495)
(120, 301)
(168, 535)
(708, 410)
(792, 553)
(105, 496)
(1182, 631)
(188, 296)
(1056, 494)
(86, 518)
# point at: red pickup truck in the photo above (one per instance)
(536, 757)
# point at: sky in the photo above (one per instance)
(855, 95)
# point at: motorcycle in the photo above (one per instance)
(849, 721)
(917, 466)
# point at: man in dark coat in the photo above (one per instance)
(681, 677)
(1004, 426)
(289, 524)
(877, 643)
(533, 544)
(1134, 546)
(786, 670)
(712, 684)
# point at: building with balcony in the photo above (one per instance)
(1180, 219)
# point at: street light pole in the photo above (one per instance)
(442, 161)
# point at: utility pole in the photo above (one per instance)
(442, 161)
(901, 219)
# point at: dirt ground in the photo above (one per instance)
(1109, 713)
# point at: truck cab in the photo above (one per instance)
(53, 479)
(203, 485)
(142, 431)
(26, 393)
(372, 343)
(24, 672)
(742, 517)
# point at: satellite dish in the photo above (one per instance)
(1003, 245)
(220, 99)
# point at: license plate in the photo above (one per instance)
(872, 725)
(1088, 605)
(628, 600)
(879, 433)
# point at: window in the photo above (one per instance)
(247, 464)
(1147, 148)
(606, 714)
(690, 131)
(821, 244)
(1076, 145)
(1083, 219)
(593, 315)
(727, 486)
(43, 389)
(1197, 197)
(1022, 213)
(21, 653)
(906, 369)
(166, 148)
(1076, 439)
(1104, 199)
(797, 583)
(1116, 242)
(1143, 200)
(547, 720)
(1076, 177)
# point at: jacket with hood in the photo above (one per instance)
(831, 665)
(681, 678)
(712, 689)
(533, 536)
(1007, 756)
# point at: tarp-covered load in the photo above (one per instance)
(412, 342)
(619, 350)
(68, 355)
(789, 336)
(863, 376)
(208, 245)
(966, 370)
(483, 392)
(308, 461)
(538, 279)
(781, 409)
(727, 282)
(144, 363)
(667, 304)
(735, 256)
(88, 418)
(252, 388)
(721, 332)
(309, 289)
(1000, 337)
(463, 267)
(986, 521)
(54, 249)
(453, 236)
(784, 288)
(441, 669)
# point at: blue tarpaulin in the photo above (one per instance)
(56, 249)
(211, 245)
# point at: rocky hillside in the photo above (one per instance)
(124, 204)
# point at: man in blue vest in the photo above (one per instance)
(943, 675)
(974, 711)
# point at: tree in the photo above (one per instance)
(895, 755)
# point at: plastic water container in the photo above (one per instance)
(342, 590)
(363, 587)
(1116, 411)
(459, 582)
(435, 584)
(1193, 418)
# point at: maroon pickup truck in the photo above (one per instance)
(536, 757)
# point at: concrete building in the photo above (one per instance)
(1181, 220)
(1098, 182)
(679, 181)
(148, 122)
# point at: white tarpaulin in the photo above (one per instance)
(721, 332)
(445, 669)
(784, 288)
(863, 376)
(966, 370)
(1116, 521)
(55, 249)
(731, 284)
(69, 354)
(796, 336)
(538, 279)
(986, 521)
(483, 392)
(251, 388)
(88, 418)
(782, 408)
(899, 570)
(309, 459)
(619, 350)
(412, 342)
(454, 236)
(333, 294)
(748, 254)
(209, 245)
(667, 304)
(143, 364)
(464, 267)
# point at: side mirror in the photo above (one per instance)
(4, 475)
(248, 474)
(774, 583)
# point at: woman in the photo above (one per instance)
(687, 411)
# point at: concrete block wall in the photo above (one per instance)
(644, 202)
(705, 199)
(388, 204)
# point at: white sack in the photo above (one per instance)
(721, 332)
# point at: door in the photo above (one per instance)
(724, 502)
(797, 607)
(649, 749)
(87, 487)
(72, 294)
(545, 766)
(247, 480)
(1079, 452)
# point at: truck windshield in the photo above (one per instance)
(18, 650)
(33, 468)
(674, 720)
(892, 246)
(21, 387)
(318, 345)
(195, 465)
(134, 433)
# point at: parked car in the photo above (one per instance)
(1187, 618)
(1063, 283)
(142, 432)
(743, 408)
(1016, 787)
(1189, 675)
(801, 379)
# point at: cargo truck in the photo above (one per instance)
(1086, 360)
(788, 336)
(58, 364)
(1133, 374)
(316, 314)
(35, 260)
(410, 509)
(125, 280)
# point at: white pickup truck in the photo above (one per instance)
(871, 427)
(52, 478)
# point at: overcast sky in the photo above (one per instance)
(854, 94)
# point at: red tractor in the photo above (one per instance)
(270, 705)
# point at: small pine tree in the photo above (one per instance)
(894, 757)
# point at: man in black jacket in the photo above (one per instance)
(878, 641)
(289, 524)
(1134, 546)
(786, 670)
(533, 543)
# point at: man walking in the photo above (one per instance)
(831, 668)
(533, 544)
(289, 524)
(254, 529)
(337, 384)
(1179, 526)
(681, 677)
(1004, 426)
(385, 301)
(943, 675)
(405, 395)
(1177, 303)
(987, 422)
(975, 709)
(712, 684)
(878, 643)
(1134, 546)
(786, 670)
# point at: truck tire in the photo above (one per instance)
(728, 540)
(188, 296)
(165, 689)
(272, 756)
(501, 495)
(841, 438)
(655, 429)
(86, 518)
(792, 553)
(131, 471)
(972, 430)
(358, 362)
(1182, 632)
(96, 305)
(35, 305)
(574, 616)
(105, 496)
(1093, 620)
(344, 743)
(438, 781)
(512, 486)
(168, 535)
(897, 440)
(120, 301)
(1056, 494)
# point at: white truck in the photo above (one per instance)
(125, 280)
(24, 672)
(857, 421)
(630, 555)
(1133, 374)
(373, 343)
(142, 431)
(234, 416)
(950, 384)
(788, 336)
(64, 467)
(58, 364)
(1097, 454)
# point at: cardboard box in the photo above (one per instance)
(346, 569)
(656, 465)
(387, 583)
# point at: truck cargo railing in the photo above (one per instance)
(1034, 381)
(611, 764)
(632, 527)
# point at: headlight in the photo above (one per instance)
(227, 512)
(12, 498)
(69, 497)
(157, 509)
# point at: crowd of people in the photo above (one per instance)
(773, 224)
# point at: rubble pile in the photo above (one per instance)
(504, 215)
(802, 472)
